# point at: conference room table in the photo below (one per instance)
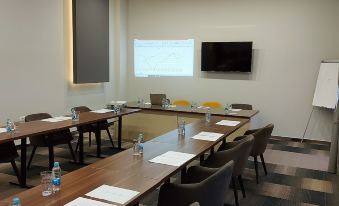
(34, 128)
(128, 171)
(199, 110)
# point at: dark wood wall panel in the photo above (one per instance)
(90, 41)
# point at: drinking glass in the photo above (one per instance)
(46, 183)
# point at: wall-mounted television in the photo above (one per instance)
(226, 56)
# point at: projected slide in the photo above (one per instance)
(163, 57)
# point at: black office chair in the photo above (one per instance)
(205, 186)
(261, 137)
(237, 151)
(49, 140)
(104, 125)
(8, 153)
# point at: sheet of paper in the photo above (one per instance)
(51, 120)
(118, 102)
(172, 158)
(232, 113)
(228, 123)
(87, 202)
(63, 118)
(113, 194)
(2, 130)
(147, 103)
(57, 119)
(102, 111)
(172, 106)
(208, 136)
(236, 110)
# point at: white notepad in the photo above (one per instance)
(236, 110)
(102, 111)
(208, 136)
(172, 158)
(118, 102)
(228, 123)
(113, 194)
(57, 119)
(80, 201)
(2, 130)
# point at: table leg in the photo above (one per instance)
(183, 175)
(119, 132)
(98, 139)
(23, 169)
(81, 145)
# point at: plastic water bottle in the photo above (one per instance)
(208, 115)
(182, 126)
(16, 202)
(140, 144)
(56, 181)
(163, 102)
(10, 127)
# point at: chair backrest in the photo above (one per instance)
(156, 99)
(37, 116)
(242, 106)
(182, 102)
(238, 153)
(212, 104)
(210, 191)
(82, 109)
(261, 137)
(39, 139)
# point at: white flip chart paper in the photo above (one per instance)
(80, 201)
(172, 158)
(228, 123)
(112, 194)
(326, 91)
(208, 136)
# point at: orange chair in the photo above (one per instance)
(212, 104)
(182, 103)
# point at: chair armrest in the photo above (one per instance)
(251, 131)
(227, 146)
(219, 159)
(177, 194)
(196, 174)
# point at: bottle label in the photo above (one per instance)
(56, 181)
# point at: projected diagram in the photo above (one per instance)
(163, 57)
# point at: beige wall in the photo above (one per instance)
(290, 38)
(35, 71)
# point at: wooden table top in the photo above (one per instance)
(187, 109)
(26, 129)
(131, 172)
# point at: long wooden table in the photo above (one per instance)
(29, 129)
(132, 172)
(187, 109)
(155, 120)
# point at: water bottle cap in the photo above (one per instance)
(56, 164)
(16, 200)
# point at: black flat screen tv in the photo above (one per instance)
(226, 56)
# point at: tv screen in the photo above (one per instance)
(226, 56)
